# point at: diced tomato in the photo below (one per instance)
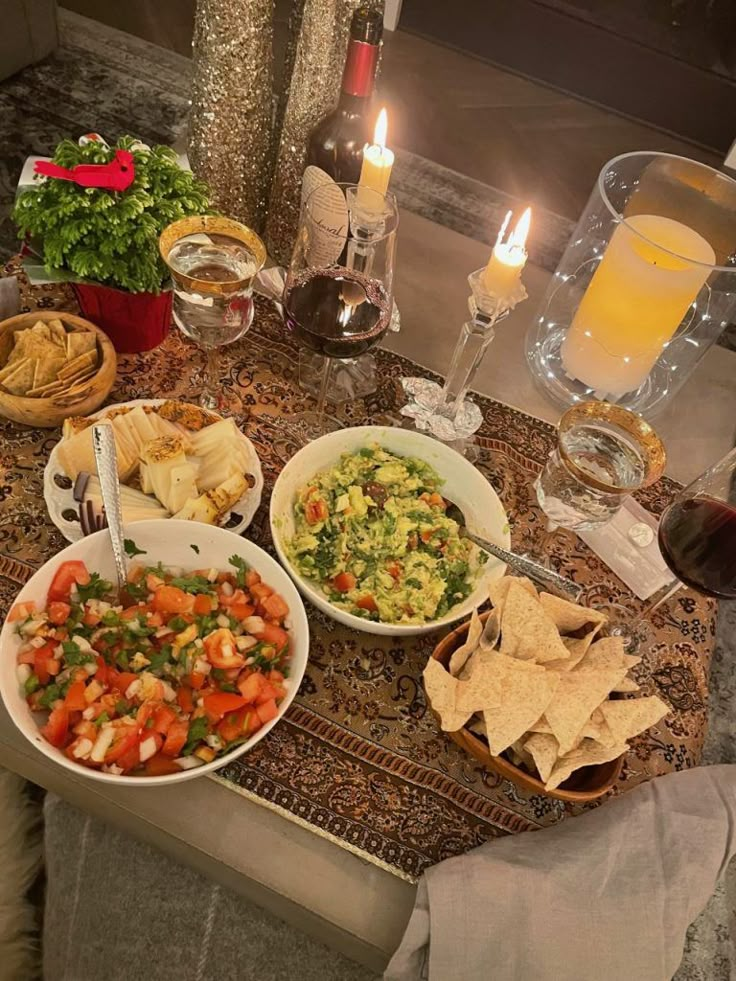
(196, 679)
(130, 759)
(163, 718)
(153, 582)
(315, 511)
(242, 610)
(275, 606)
(394, 569)
(58, 612)
(87, 729)
(251, 686)
(275, 677)
(426, 535)
(176, 737)
(267, 692)
(91, 619)
(367, 603)
(21, 611)
(271, 634)
(146, 712)
(259, 591)
(126, 738)
(66, 576)
(27, 656)
(102, 671)
(184, 699)
(220, 703)
(252, 577)
(171, 599)
(42, 658)
(160, 765)
(269, 710)
(74, 699)
(344, 582)
(221, 651)
(56, 729)
(140, 610)
(53, 666)
(202, 605)
(155, 620)
(123, 681)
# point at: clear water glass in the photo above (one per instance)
(603, 454)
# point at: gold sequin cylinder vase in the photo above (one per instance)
(313, 89)
(231, 137)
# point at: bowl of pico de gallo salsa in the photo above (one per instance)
(188, 669)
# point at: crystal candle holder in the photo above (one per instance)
(443, 410)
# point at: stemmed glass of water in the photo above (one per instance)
(213, 262)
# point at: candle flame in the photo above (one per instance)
(502, 231)
(517, 239)
(379, 134)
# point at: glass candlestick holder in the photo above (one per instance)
(443, 410)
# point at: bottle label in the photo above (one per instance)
(360, 68)
(328, 211)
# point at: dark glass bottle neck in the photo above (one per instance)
(360, 70)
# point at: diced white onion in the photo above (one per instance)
(163, 631)
(133, 688)
(213, 740)
(169, 693)
(82, 643)
(58, 652)
(249, 660)
(147, 749)
(23, 673)
(212, 575)
(223, 621)
(202, 666)
(102, 744)
(37, 642)
(227, 589)
(90, 667)
(89, 712)
(245, 643)
(227, 650)
(188, 762)
(198, 643)
(254, 625)
(113, 768)
(82, 749)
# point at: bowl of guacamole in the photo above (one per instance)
(358, 519)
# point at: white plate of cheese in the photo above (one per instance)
(175, 460)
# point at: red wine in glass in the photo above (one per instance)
(337, 312)
(697, 538)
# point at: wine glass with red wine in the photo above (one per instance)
(338, 295)
(697, 539)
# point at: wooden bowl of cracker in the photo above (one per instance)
(53, 365)
(536, 693)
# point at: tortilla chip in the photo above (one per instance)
(526, 632)
(627, 717)
(544, 750)
(577, 649)
(569, 617)
(80, 342)
(588, 753)
(441, 690)
(46, 371)
(541, 725)
(597, 728)
(20, 381)
(461, 655)
(512, 695)
(477, 726)
(627, 685)
(608, 652)
(498, 590)
(578, 695)
(519, 756)
(491, 632)
(80, 363)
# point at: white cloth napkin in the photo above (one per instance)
(607, 896)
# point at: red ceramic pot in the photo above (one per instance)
(134, 322)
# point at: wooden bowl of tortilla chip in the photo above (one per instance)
(53, 365)
(585, 784)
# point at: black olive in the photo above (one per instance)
(377, 492)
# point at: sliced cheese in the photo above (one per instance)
(166, 472)
(77, 454)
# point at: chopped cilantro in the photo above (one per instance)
(96, 588)
(195, 548)
(122, 707)
(73, 655)
(367, 452)
(122, 659)
(198, 729)
(31, 684)
(193, 584)
(132, 549)
(241, 567)
(111, 618)
(178, 623)
(102, 717)
(159, 658)
(414, 583)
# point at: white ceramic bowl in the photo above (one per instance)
(168, 542)
(463, 484)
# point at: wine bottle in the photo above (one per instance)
(336, 143)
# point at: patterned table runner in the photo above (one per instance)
(358, 757)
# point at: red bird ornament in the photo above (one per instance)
(117, 175)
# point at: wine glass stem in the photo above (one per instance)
(208, 398)
(657, 601)
(322, 397)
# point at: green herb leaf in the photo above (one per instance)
(132, 549)
(193, 584)
(49, 696)
(159, 658)
(178, 623)
(241, 567)
(102, 717)
(96, 588)
(31, 684)
(195, 548)
(198, 729)
(73, 656)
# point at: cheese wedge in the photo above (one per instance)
(77, 454)
(212, 506)
(166, 472)
(129, 496)
(221, 454)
